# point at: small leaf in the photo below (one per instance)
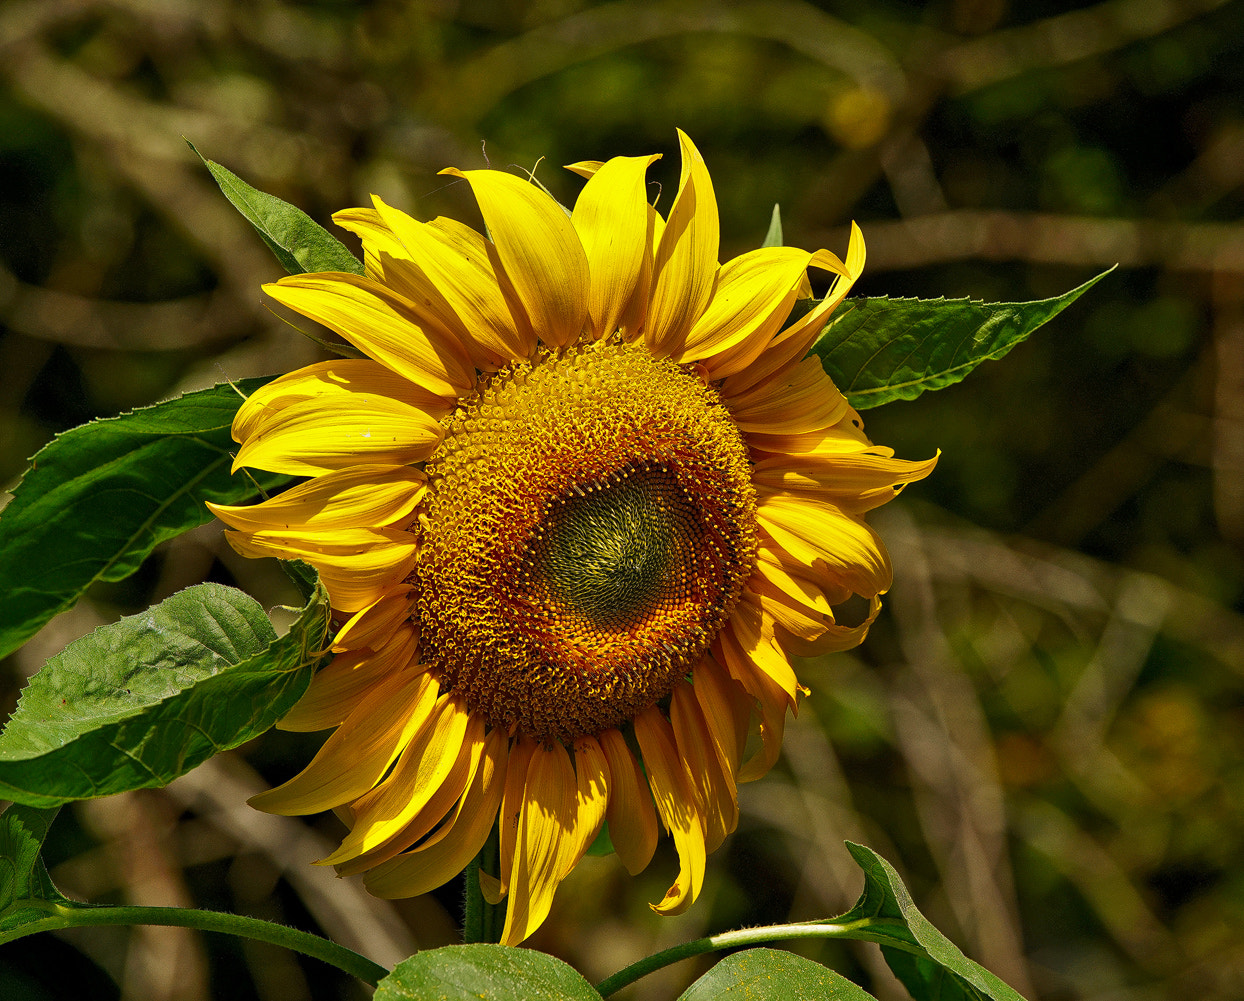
(299, 242)
(24, 879)
(773, 238)
(98, 499)
(495, 972)
(773, 975)
(143, 700)
(931, 967)
(878, 350)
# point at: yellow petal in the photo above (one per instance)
(358, 496)
(854, 481)
(544, 841)
(360, 751)
(727, 710)
(676, 802)
(348, 426)
(792, 343)
(511, 809)
(809, 530)
(753, 633)
(373, 625)
(539, 250)
(685, 263)
(631, 816)
(382, 323)
(456, 260)
(356, 565)
(591, 796)
(426, 782)
(711, 775)
(769, 695)
(800, 398)
(611, 218)
(338, 688)
(447, 852)
(754, 295)
(343, 380)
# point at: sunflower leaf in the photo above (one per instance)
(773, 975)
(880, 349)
(99, 498)
(931, 967)
(143, 700)
(299, 242)
(496, 972)
(24, 879)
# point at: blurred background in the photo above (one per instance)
(1045, 731)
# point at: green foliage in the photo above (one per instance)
(24, 880)
(879, 350)
(298, 241)
(931, 967)
(773, 975)
(773, 238)
(143, 700)
(495, 972)
(98, 499)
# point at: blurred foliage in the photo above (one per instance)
(1043, 731)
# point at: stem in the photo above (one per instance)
(62, 916)
(480, 918)
(861, 929)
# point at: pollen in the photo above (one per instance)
(589, 527)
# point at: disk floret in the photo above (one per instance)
(589, 528)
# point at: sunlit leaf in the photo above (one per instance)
(299, 242)
(495, 972)
(143, 700)
(773, 975)
(879, 350)
(98, 499)
(931, 967)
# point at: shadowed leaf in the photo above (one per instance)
(99, 498)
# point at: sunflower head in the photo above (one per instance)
(577, 507)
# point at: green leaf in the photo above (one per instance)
(299, 242)
(494, 972)
(24, 879)
(931, 967)
(879, 350)
(143, 700)
(773, 238)
(98, 499)
(773, 975)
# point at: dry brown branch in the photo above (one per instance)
(1063, 39)
(1043, 238)
(471, 89)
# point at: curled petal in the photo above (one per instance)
(685, 263)
(612, 220)
(676, 802)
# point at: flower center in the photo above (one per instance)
(589, 527)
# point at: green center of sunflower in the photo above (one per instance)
(589, 527)
(608, 554)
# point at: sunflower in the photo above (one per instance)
(577, 507)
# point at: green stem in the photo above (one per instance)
(862, 929)
(480, 918)
(62, 916)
